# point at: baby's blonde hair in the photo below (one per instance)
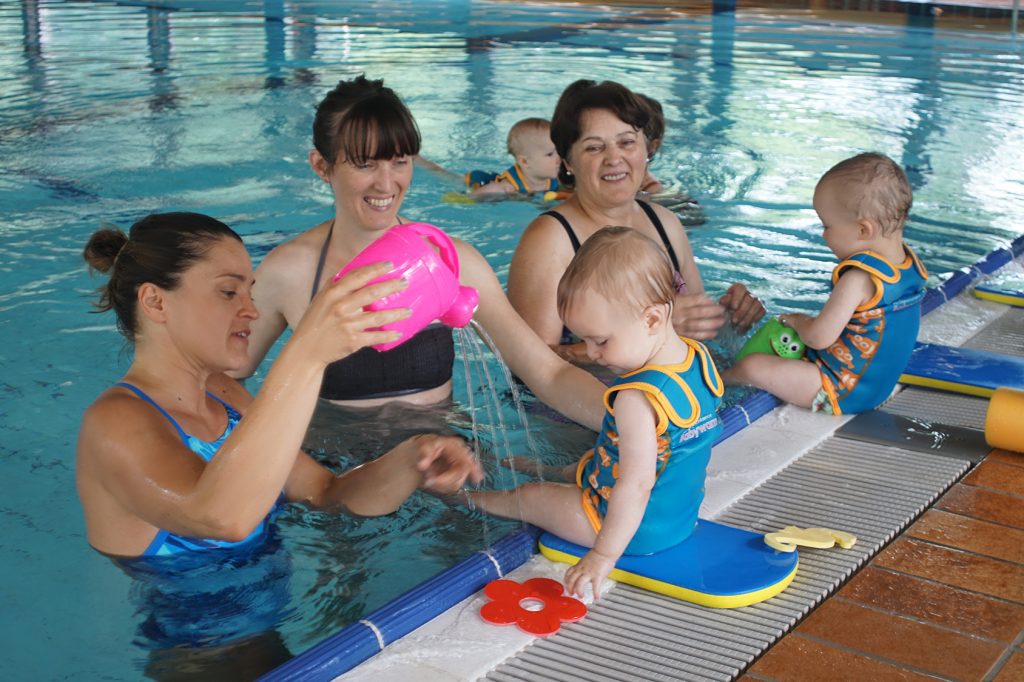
(520, 130)
(621, 265)
(874, 188)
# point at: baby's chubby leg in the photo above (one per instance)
(795, 381)
(555, 507)
(547, 472)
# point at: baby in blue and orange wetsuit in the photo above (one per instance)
(639, 489)
(861, 341)
(536, 163)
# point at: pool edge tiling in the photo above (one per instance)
(630, 634)
(934, 602)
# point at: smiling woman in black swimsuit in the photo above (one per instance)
(600, 130)
(365, 140)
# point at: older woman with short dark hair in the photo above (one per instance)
(601, 131)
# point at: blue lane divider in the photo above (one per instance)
(747, 411)
(354, 644)
(962, 278)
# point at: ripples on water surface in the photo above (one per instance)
(111, 111)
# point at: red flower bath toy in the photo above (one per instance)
(507, 607)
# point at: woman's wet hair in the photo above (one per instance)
(361, 120)
(157, 249)
(585, 95)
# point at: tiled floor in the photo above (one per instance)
(944, 600)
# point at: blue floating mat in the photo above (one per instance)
(963, 370)
(718, 566)
(1008, 289)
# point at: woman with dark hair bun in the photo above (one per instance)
(601, 132)
(177, 457)
(364, 141)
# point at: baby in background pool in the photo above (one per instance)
(536, 163)
(639, 489)
(861, 341)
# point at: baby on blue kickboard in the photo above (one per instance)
(861, 341)
(639, 489)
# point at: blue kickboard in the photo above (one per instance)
(963, 370)
(718, 566)
(1008, 289)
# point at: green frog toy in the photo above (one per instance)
(774, 337)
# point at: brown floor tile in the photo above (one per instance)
(937, 604)
(997, 476)
(1006, 457)
(954, 567)
(973, 535)
(798, 658)
(984, 504)
(918, 645)
(1013, 670)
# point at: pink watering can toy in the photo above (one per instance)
(434, 292)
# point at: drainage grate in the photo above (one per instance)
(631, 634)
(940, 407)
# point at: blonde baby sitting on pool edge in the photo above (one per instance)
(638, 490)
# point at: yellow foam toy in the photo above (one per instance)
(556, 195)
(457, 198)
(1003, 421)
(787, 539)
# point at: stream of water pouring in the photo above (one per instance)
(517, 399)
(494, 425)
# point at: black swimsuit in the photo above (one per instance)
(567, 336)
(655, 220)
(420, 364)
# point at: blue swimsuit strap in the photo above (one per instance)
(232, 412)
(162, 535)
(139, 392)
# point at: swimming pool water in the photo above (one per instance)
(109, 111)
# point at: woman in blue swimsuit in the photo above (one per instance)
(177, 457)
(602, 131)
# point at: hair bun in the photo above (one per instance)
(103, 247)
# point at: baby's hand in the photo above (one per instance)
(594, 567)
